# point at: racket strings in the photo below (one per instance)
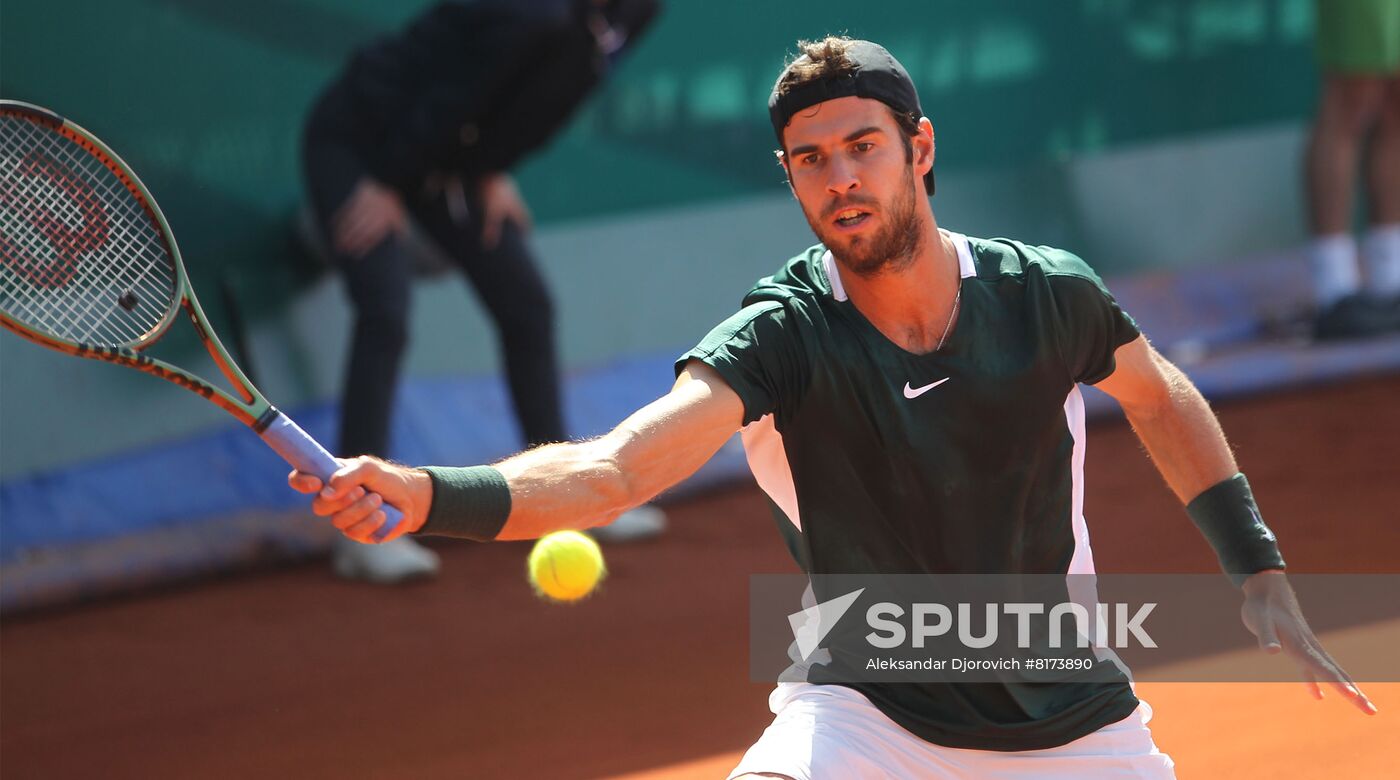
(91, 317)
(85, 318)
(83, 258)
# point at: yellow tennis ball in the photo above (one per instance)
(566, 566)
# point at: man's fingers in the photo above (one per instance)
(349, 239)
(354, 497)
(1314, 659)
(1271, 611)
(337, 487)
(1313, 687)
(356, 511)
(1320, 666)
(360, 236)
(303, 483)
(363, 530)
(1354, 695)
(1323, 666)
(523, 218)
(361, 225)
(351, 483)
(352, 473)
(329, 507)
(1346, 688)
(491, 228)
(1268, 636)
(348, 223)
(1340, 679)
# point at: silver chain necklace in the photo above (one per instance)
(951, 314)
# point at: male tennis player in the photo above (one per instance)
(908, 400)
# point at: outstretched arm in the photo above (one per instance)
(559, 486)
(584, 484)
(1186, 443)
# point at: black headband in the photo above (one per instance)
(877, 75)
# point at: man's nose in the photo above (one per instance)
(841, 177)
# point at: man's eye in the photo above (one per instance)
(864, 146)
(810, 159)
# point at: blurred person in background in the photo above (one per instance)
(1358, 48)
(425, 125)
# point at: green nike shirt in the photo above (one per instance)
(967, 460)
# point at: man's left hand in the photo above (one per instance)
(1271, 612)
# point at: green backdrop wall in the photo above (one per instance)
(1137, 132)
(205, 97)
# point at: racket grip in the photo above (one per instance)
(305, 454)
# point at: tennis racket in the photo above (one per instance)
(89, 267)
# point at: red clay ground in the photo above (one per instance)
(292, 673)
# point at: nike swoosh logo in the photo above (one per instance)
(915, 392)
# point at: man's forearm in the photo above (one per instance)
(1189, 448)
(572, 485)
(1183, 437)
(576, 485)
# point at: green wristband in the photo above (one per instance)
(1229, 519)
(468, 502)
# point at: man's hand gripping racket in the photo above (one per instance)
(89, 267)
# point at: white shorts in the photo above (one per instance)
(831, 731)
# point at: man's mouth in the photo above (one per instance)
(851, 217)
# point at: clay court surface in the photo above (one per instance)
(291, 673)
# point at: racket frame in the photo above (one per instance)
(248, 406)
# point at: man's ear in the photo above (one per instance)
(782, 160)
(925, 147)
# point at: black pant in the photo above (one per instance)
(506, 279)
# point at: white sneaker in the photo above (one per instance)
(395, 561)
(634, 525)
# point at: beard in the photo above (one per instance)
(892, 248)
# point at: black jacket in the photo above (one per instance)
(471, 87)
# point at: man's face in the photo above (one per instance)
(847, 163)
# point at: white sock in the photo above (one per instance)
(1335, 270)
(1381, 251)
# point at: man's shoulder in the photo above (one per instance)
(1006, 257)
(802, 278)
